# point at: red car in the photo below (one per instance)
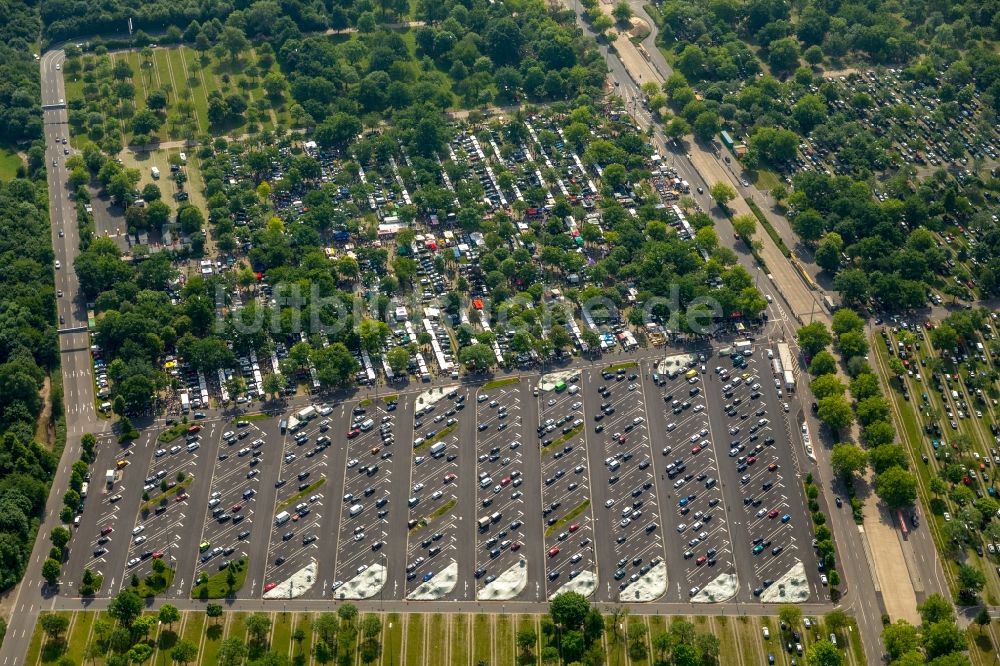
(193, 429)
(515, 546)
(182, 497)
(553, 551)
(772, 514)
(353, 432)
(751, 460)
(574, 527)
(695, 450)
(504, 482)
(448, 478)
(270, 586)
(157, 554)
(236, 507)
(701, 560)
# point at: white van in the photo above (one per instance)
(367, 424)
(437, 448)
(356, 509)
(282, 518)
(573, 390)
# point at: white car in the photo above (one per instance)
(139, 539)
(352, 462)
(610, 503)
(417, 487)
(160, 453)
(58, 264)
(134, 561)
(138, 529)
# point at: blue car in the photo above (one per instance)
(428, 576)
(785, 518)
(683, 502)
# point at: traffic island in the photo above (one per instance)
(585, 584)
(722, 588)
(792, 588)
(507, 585)
(365, 585)
(295, 585)
(652, 585)
(437, 586)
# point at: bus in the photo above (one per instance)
(560, 386)
(902, 523)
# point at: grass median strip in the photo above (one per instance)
(434, 515)
(299, 495)
(444, 432)
(769, 228)
(392, 397)
(218, 585)
(621, 366)
(563, 438)
(556, 526)
(497, 383)
(167, 494)
(173, 432)
(259, 416)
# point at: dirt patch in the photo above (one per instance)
(45, 432)
(639, 29)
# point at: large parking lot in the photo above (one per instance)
(657, 479)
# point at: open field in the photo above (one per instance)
(9, 163)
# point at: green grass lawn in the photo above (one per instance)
(215, 629)
(482, 638)
(497, 383)
(9, 163)
(281, 634)
(217, 586)
(558, 525)
(460, 639)
(766, 180)
(616, 646)
(415, 639)
(636, 626)
(80, 635)
(503, 634)
(304, 621)
(437, 640)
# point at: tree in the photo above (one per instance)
(214, 611)
(51, 570)
(569, 609)
(848, 459)
(348, 613)
(828, 252)
(896, 487)
(722, 193)
(184, 652)
(846, 320)
(125, 608)
(258, 626)
(273, 384)
(900, 638)
(706, 125)
(622, 12)
(234, 42)
(169, 614)
(835, 412)
(60, 537)
(54, 625)
(971, 581)
(983, 619)
(936, 608)
(813, 338)
(822, 363)
(398, 359)
(745, 226)
(527, 639)
(852, 344)
(231, 652)
(823, 653)
(477, 356)
(826, 385)
(783, 55)
(943, 638)
(791, 615)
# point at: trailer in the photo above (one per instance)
(185, 403)
(785, 354)
(306, 414)
(776, 368)
(109, 477)
(789, 380)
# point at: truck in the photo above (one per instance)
(789, 380)
(282, 518)
(306, 414)
(484, 522)
(437, 448)
(785, 354)
(156, 173)
(742, 346)
(185, 403)
(776, 368)
(109, 477)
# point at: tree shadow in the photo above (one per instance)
(984, 642)
(214, 632)
(168, 639)
(54, 648)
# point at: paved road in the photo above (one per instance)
(74, 344)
